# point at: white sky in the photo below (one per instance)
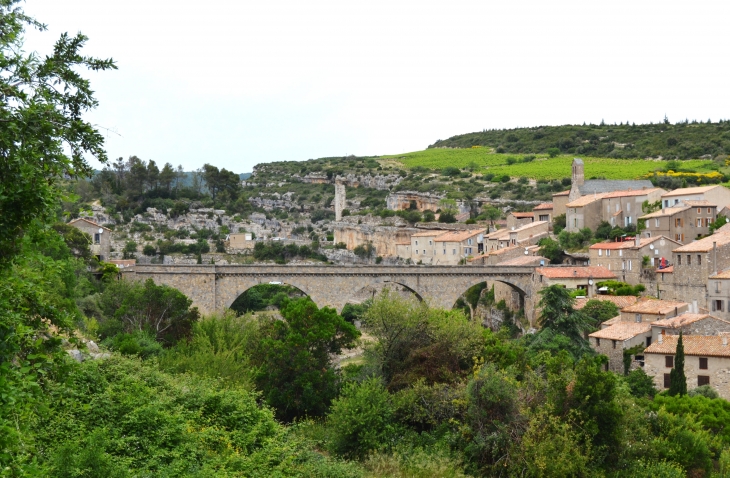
(235, 83)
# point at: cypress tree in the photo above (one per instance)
(677, 379)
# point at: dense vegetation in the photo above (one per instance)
(682, 140)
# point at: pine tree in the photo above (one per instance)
(677, 379)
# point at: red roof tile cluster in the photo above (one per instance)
(654, 306)
(702, 345)
(545, 205)
(562, 272)
(622, 331)
(522, 215)
(621, 301)
(631, 193)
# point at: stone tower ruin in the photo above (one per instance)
(339, 199)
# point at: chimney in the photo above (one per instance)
(714, 256)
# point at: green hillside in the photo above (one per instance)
(541, 166)
(683, 140)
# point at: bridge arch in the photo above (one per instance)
(229, 289)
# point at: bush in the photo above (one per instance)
(149, 250)
(138, 343)
(361, 419)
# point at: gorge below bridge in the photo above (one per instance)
(215, 287)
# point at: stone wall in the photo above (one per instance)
(718, 370)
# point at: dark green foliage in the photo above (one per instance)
(621, 288)
(353, 312)
(640, 384)
(447, 217)
(364, 251)
(559, 223)
(296, 374)
(265, 295)
(600, 311)
(362, 419)
(603, 230)
(138, 343)
(575, 240)
(678, 380)
(280, 253)
(159, 310)
(551, 250)
(561, 323)
(77, 241)
(428, 216)
(149, 250)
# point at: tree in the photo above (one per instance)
(492, 213)
(296, 374)
(559, 223)
(167, 177)
(44, 135)
(550, 249)
(677, 378)
(160, 310)
(559, 319)
(600, 310)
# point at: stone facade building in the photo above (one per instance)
(572, 277)
(544, 212)
(101, 237)
(526, 235)
(716, 194)
(684, 222)
(519, 219)
(560, 200)
(626, 258)
(622, 208)
(718, 294)
(614, 339)
(583, 212)
(706, 362)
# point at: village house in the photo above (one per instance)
(500, 256)
(572, 277)
(544, 212)
(718, 294)
(649, 310)
(621, 301)
(528, 234)
(240, 241)
(693, 264)
(559, 202)
(454, 246)
(423, 246)
(584, 212)
(101, 238)
(706, 362)
(611, 341)
(684, 222)
(621, 208)
(689, 324)
(626, 258)
(716, 194)
(519, 219)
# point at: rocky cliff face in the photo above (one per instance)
(383, 235)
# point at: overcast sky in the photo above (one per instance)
(235, 83)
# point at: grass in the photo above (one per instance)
(481, 160)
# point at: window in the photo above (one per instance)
(703, 363)
(703, 380)
(444, 251)
(453, 251)
(600, 252)
(679, 259)
(598, 341)
(638, 318)
(669, 361)
(416, 251)
(666, 203)
(614, 343)
(608, 252)
(429, 243)
(717, 305)
(699, 260)
(707, 222)
(468, 242)
(648, 341)
(656, 222)
(709, 210)
(678, 222)
(629, 264)
(717, 286)
(620, 253)
(667, 380)
(97, 238)
(416, 242)
(575, 222)
(689, 260)
(699, 210)
(699, 222)
(544, 217)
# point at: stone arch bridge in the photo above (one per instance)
(215, 287)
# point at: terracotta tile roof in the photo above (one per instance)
(702, 345)
(562, 193)
(653, 306)
(621, 301)
(703, 203)
(522, 215)
(609, 322)
(680, 320)
(475, 258)
(90, 222)
(669, 270)
(585, 200)
(431, 233)
(545, 205)
(621, 245)
(668, 211)
(622, 331)
(498, 234)
(529, 226)
(524, 261)
(705, 244)
(685, 191)
(562, 272)
(458, 236)
(631, 193)
(721, 275)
